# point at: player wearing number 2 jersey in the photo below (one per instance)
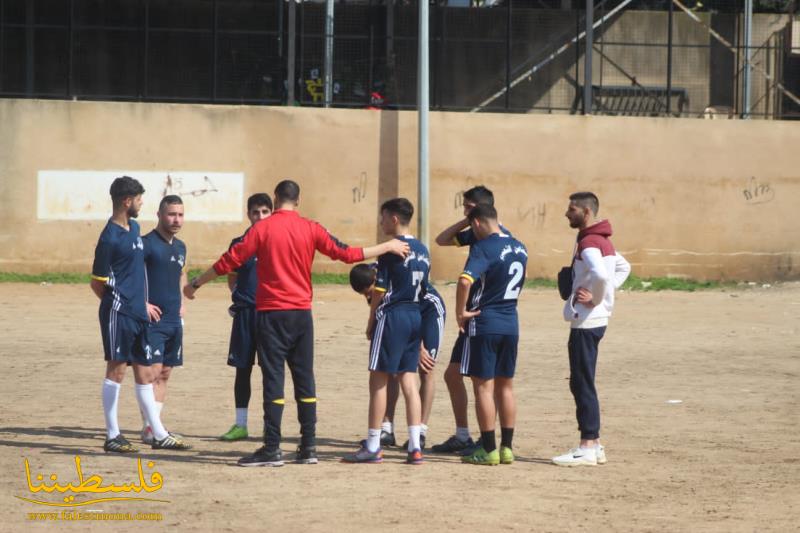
(486, 310)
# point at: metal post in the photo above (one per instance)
(280, 29)
(214, 40)
(669, 57)
(70, 70)
(746, 77)
(1, 43)
(508, 52)
(587, 58)
(145, 67)
(29, 49)
(423, 102)
(290, 77)
(328, 53)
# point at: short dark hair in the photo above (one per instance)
(170, 199)
(479, 195)
(287, 191)
(586, 199)
(124, 187)
(482, 212)
(259, 199)
(362, 276)
(400, 207)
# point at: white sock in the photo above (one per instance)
(373, 439)
(462, 434)
(590, 451)
(423, 430)
(110, 401)
(387, 427)
(413, 438)
(241, 417)
(145, 423)
(147, 403)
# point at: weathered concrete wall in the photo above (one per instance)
(703, 199)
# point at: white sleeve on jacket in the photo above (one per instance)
(597, 273)
(622, 270)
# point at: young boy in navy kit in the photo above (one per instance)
(432, 310)
(242, 348)
(491, 281)
(394, 328)
(165, 263)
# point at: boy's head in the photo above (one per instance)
(362, 279)
(395, 215)
(483, 220)
(475, 196)
(259, 206)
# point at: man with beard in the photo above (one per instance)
(118, 279)
(165, 264)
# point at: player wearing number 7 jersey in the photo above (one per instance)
(395, 330)
(496, 267)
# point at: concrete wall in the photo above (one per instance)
(703, 199)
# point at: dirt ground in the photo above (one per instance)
(723, 459)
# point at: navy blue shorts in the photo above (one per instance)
(242, 349)
(166, 343)
(124, 337)
(458, 349)
(490, 356)
(395, 342)
(432, 332)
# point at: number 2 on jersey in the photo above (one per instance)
(515, 285)
(416, 281)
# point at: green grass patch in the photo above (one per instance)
(633, 283)
(330, 279)
(47, 277)
(534, 283)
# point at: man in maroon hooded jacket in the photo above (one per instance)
(597, 271)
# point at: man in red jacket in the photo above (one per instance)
(284, 245)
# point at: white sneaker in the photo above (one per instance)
(600, 451)
(147, 435)
(577, 457)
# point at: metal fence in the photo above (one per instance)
(649, 57)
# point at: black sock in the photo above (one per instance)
(488, 441)
(307, 416)
(241, 387)
(506, 436)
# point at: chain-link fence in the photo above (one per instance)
(649, 57)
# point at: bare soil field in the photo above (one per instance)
(724, 458)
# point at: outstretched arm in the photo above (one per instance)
(190, 288)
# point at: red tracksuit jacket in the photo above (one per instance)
(284, 245)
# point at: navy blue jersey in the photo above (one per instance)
(467, 237)
(403, 280)
(119, 262)
(431, 303)
(244, 292)
(496, 266)
(164, 263)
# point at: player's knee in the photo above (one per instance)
(115, 371)
(452, 374)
